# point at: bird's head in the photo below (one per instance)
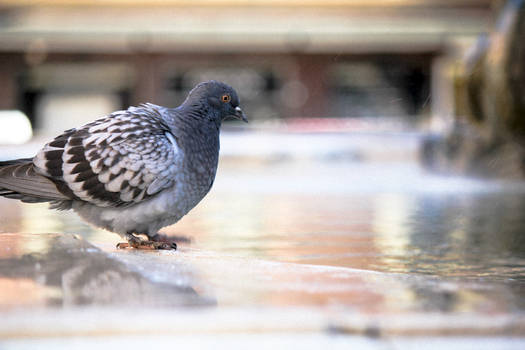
(220, 97)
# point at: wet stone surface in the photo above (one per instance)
(370, 251)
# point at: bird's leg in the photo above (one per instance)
(137, 243)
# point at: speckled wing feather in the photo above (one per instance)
(115, 161)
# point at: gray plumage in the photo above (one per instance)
(133, 171)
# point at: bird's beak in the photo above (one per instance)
(239, 114)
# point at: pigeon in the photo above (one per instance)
(133, 171)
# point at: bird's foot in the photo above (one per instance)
(172, 241)
(137, 243)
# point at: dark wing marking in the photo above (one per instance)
(118, 160)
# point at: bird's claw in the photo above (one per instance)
(134, 242)
(123, 245)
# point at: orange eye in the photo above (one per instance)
(226, 98)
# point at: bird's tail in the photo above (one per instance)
(19, 180)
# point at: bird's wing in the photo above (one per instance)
(118, 160)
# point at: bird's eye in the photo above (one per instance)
(226, 98)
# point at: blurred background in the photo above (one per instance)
(384, 135)
(65, 62)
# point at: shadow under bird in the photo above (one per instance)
(134, 171)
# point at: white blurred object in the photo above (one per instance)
(58, 111)
(15, 127)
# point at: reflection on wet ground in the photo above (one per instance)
(372, 238)
(64, 270)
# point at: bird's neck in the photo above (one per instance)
(197, 133)
(199, 115)
(197, 121)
